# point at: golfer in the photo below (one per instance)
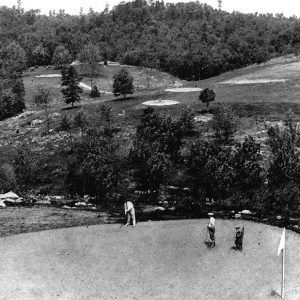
(239, 234)
(212, 229)
(130, 213)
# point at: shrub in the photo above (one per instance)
(94, 92)
(123, 83)
(96, 169)
(206, 96)
(224, 124)
(7, 177)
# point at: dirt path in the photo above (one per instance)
(155, 260)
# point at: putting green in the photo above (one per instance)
(154, 260)
(160, 102)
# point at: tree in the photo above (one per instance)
(196, 160)
(43, 98)
(80, 121)
(186, 121)
(123, 83)
(70, 84)
(155, 149)
(24, 167)
(207, 96)
(40, 56)
(61, 57)
(285, 157)
(106, 116)
(97, 169)
(94, 92)
(220, 2)
(18, 89)
(284, 170)
(90, 58)
(7, 178)
(12, 60)
(224, 123)
(247, 163)
(11, 97)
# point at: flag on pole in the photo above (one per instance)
(282, 242)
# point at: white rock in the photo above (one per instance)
(36, 122)
(160, 208)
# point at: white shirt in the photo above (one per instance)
(128, 206)
(212, 222)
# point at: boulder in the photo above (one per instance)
(36, 122)
(66, 207)
(9, 195)
(80, 204)
(160, 208)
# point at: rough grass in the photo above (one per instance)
(253, 103)
(14, 220)
(155, 260)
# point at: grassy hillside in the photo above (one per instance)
(254, 99)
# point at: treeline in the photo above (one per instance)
(171, 152)
(189, 40)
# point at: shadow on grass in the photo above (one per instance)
(274, 293)
(208, 244)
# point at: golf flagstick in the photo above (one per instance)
(282, 287)
(282, 247)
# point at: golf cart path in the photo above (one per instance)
(154, 260)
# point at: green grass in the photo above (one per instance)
(154, 260)
(15, 220)
(253, 103)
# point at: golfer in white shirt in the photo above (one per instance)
(129, 211)
(212, 229)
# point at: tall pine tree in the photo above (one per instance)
(70, 84)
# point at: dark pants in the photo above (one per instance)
(239, 243)
(211, 231)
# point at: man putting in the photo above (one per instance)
(211, 229)
(130, 213)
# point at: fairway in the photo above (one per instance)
(155, 260)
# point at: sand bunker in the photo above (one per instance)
(160, 102)
(184, 90)
(252, 81)
(85, 86)
(48, 76)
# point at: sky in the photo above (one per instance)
(287, 7)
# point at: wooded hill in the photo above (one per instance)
(189, 40)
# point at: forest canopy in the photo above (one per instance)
(189, 40)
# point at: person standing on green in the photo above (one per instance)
(130, 213)
(212, 229)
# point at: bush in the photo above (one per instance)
(96, 169)
(186, 121)
(25, 167)
(206, 96)
(224, 124)
(123, 83)
(7, 178)
(11, 98)
(94, 92)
